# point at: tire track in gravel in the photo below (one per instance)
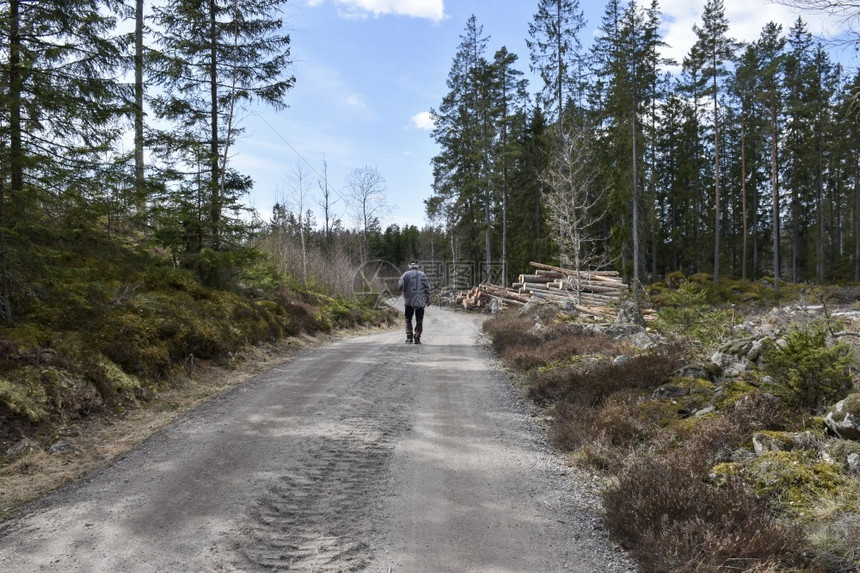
(318, 516)
(362, 455)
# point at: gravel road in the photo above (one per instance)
(365, 454)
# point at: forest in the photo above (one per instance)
(741, 161)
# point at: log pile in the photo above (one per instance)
(593, 292)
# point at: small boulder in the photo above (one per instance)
(23, 445)
(782, 441)
(630, 313)
(669, 392)
(854, 463)
(844, 418)
(699, 370)
(61, 447)
(729, 364)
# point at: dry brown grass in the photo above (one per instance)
(592, 383)
(663, 507)
(672, 519)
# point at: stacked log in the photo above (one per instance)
(597, 293)
(483, 295)
(587, 288)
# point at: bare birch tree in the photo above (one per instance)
(298, 195)
(365, 192)
(575, 204)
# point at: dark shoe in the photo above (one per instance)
(417, 340)
(409, 340)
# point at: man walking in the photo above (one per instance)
(416, 294)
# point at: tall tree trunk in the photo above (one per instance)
(774, 181)
(139, 185)
(635, 207)
(716, 181)
(745, 240)
(795, 230)
(559, 50)
(819, 204)
(214, 188)
(10, 201)
(16, 88)
(857, 219)
(487, 240)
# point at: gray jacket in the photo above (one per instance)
(415, 288)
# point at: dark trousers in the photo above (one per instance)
(418, 311)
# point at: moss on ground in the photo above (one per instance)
(105, 326)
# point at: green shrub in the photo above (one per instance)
(687, 315)
(807, 372)
(675, 279)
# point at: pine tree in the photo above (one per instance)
(510, 101)
(626, 54)
(745, 87)
(528, 224)
(798, 136)
(770, 47)
(138, 111)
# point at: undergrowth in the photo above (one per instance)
(102, 327)
(685, 490)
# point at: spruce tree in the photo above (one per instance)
(215, 57)
(60, 100)
(460, 170)
(770, 46)
(510, 101)
(556, 55)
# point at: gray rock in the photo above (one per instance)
(669, 392)
(61, 447)
(21, 446)
(782, 441)
(844, 418)
(704, 411)
(854, 463)
(730, 364)
(694, 371)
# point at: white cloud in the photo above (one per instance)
(423, 120)
(430, 9)
(746, 19)
(355, 100)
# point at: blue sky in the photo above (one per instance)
(368, 72)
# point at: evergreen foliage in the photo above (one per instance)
(214, 56)
(741, 165)
(807, 371)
